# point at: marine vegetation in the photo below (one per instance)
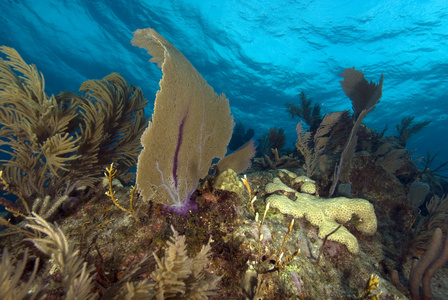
(313, 145)
(427, 167)
(274, 139)
(176, 275)
(406, 128)
(305, 110)
(47, 138)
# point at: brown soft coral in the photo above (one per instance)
(53, 143)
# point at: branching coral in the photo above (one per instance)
(271, 141)
(53, 143)
(110, 176)
(278, 162)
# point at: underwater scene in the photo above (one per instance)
(237, 149)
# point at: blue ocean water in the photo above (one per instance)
(261, 54)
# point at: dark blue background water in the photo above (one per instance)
(259, 53)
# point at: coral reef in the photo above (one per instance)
(191, 126)
(278, 243)
(115, 242)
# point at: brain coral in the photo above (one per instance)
(327, 214)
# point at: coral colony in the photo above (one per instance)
(192, 122)
(342, 216)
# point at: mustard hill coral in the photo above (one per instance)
(229, 181)
(327, 214)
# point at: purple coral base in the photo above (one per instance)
(185, 208)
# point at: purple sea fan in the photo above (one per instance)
(191, 126)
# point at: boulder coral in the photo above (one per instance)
(327, 214)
